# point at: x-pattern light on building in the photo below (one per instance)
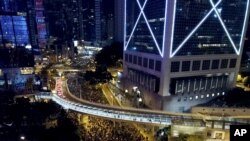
(148, 25)
(213, 9)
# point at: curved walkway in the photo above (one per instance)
(141, 115)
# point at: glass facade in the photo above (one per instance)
(145, 25)
(201, 29)
(12, 5)
(14, 30)
(40, 24)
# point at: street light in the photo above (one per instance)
(140, 99)
(22, 137)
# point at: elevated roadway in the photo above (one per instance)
(71, 102)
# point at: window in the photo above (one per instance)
(196, 65)
(145, 62)
(185, 66)
(130, 59)
(206, 65)
(126, 57)
(215, 64)
(232, 63)
(175, 66)
(151, 63)
(158, 66)
(139, 61)
(135, 60)
(224, 63)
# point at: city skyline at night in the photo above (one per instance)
(124, 70)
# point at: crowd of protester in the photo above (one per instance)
(99, 129)
(106, 130)
(80, 88)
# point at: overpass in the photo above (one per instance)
(142, 115)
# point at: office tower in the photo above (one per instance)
(40, 24)
(74, 19)
(98, 21)
(119, 20)
(107, 22)
(181, 53)
(13, 5)
(14, 30)
(89, 20)
(16, 46)
(31, 20)
(33, 11)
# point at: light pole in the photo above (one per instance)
(80, 92)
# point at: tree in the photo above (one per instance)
(110, 55)
(101, 75)
(194, 138)
(186, 137)
(162, 134)
(182, 137)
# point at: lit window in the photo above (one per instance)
(218, 94)
(191, 98)
(202, 96)
(207, 95)
(196, 97)
(212, 94)
(223, 93)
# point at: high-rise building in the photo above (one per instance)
(14, 30)
(17, 42)
(33, 12)
(98, 21)
(40, 23)
(88, 20)
(180, 53)
(119, 20)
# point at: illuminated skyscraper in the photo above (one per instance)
(32, 13)
(181, 53)
(40, 23)
(14, 30)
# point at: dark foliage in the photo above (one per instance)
(23, 118)
(101, 75)
(109, 55)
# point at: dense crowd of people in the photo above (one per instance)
(99, 129)
(106, 130)
(82, 89)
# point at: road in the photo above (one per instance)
(109, 96)
(113, 101)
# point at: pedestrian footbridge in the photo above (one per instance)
(142, 115)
